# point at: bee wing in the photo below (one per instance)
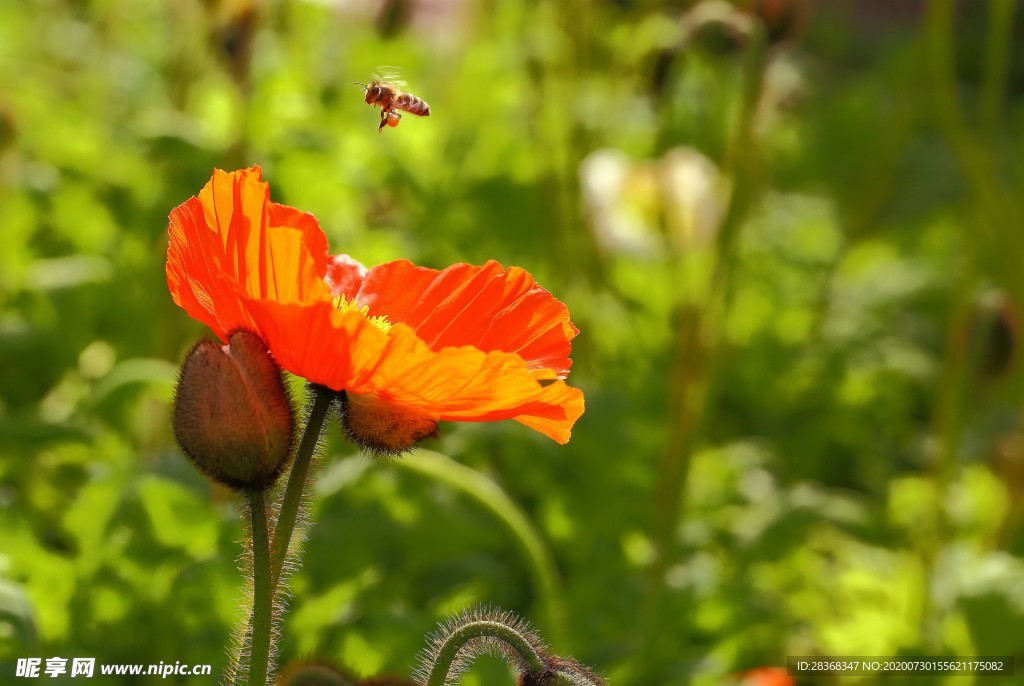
(390, 75)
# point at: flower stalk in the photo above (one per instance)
(485, 631)
(289, 508)
(291, 501)
(513, 640)
(263, 593)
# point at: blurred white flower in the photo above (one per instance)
(615, 217)
(693, 197)
(652, 208)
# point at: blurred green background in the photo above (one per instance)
(790, 234)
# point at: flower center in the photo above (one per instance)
(345, 305)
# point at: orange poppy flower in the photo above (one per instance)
(410, 346)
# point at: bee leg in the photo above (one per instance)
(383, 120)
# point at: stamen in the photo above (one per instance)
(345, 305)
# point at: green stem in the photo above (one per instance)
(262, 596)
(995, 206)
(471, 631)
(696, 363)
(490, 496)
(288, 513)
(998, 43)
(292, 499)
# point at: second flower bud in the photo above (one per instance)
(233, 416)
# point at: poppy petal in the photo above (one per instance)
(232, 240)
(345, 351)
(194, 272)
(560, 406)
(489, 307)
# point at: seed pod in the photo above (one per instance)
(382, 427)
(386, 681)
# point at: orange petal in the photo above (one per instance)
(344, 351)
(232, 241)
(489, 307)
(557, 412)
(194, 272)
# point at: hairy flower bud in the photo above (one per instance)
(384, 428)
(561, 671)
(232, 413)
(315, 674)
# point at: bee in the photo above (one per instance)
(390, 98)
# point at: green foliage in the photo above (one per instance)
(797, 439)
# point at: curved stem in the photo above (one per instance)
(262, 596)
(485, 628)
(493, 498)
(292, 498)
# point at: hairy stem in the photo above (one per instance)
(287, 516)
(448, 653)
(292, 499)
(262, 597)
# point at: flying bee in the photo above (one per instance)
(389, 98)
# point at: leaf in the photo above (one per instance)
(178, 517)
(17, 621)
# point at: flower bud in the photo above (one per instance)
(995, 332)
(315, 674)
(232, 413)
(383, 427)
(782, 19)
(561, 671)
(1007, 460)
